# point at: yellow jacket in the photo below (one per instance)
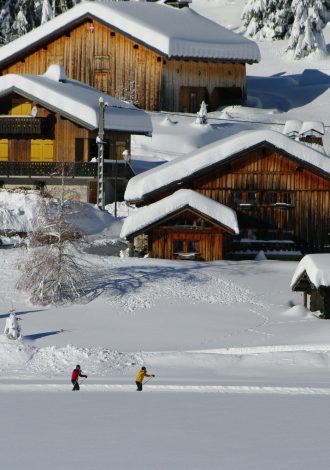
(140, 375)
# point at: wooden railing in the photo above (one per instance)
(68, 170)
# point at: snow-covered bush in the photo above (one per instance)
(12, 327)
(310, 17)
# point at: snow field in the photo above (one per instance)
(161, 431)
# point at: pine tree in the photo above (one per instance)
(7, 17)
(268, 19)
(47, 12)
(309, 20)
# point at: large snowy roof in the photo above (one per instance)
(316, 267)
(184, 167)
(76, 101)
(149, 215)
(171, 31)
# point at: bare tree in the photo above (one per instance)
(53, 274)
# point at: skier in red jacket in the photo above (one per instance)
(76, 373)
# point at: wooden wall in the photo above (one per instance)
(62, 138)
(115, 64)
(210, 243)
(189, 73)
(265, 171)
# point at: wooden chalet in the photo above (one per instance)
(312, 277)
(185, 225)
(279, 188)
(48, 130)
(153, 55)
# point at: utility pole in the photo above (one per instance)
(100, 156)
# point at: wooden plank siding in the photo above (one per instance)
(116, 64)
(264, 171)
(60, 144)
(209, 75)
(210, 243)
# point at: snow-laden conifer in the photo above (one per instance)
(309, 20)
(268, 19)
(47, 12)
(7, 17)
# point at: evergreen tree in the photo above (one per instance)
(309, 20)
(47, 12)
(268, 19)
(7, 17)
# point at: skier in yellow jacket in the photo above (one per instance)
(140, 376)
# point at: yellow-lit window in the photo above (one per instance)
(3, 150)
(21, 107)
(42, 150)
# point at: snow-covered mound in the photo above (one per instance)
(19, 209)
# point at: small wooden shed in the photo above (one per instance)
(185, 225)
(312, 277)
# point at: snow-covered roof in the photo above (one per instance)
(76, 101)
(171, 31)
(148, 215)
(316, 267)
(183, 167)
(308, 126)
(297, 127)
(292, 127)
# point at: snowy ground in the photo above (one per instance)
(242, 369)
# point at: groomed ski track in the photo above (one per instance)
(222, 389)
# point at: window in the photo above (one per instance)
(118, 143)
(79, 150)
(251, 197)
(271, 198)
(237, 197)
(286, 198)
(4, 150)
(42, 150)
(193, 246)
(21, 107)
(193, 103)
(177, 246)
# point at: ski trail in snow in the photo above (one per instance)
(221, 389)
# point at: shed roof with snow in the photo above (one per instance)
(185, 167)
(314, 269)
(174, 33)
(316, 127)
(147, 216)
(76, 101)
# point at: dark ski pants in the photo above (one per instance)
(75, 385)
(139, 386)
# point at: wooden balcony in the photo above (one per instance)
(14, 127)
(68, 170)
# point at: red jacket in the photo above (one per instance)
(75, 374)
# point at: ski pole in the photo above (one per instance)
(147, 380)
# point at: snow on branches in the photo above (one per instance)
(301, 21)
(268, 19)
(309, 20)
